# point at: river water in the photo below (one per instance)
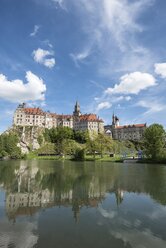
(50, 204)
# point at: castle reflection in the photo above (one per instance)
(33, 186)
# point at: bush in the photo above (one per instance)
(79, 154)
(4, 153)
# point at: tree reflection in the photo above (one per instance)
(30, 187)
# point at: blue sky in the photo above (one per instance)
(110, 55)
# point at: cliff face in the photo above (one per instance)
(28, 137)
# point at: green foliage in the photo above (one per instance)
(79, 154)
(154, 141)
(81, 136)
(40, 139)
(46, 135)
(62, 137)
(59, 134)
(100, 143)
(47, 149)
(8, 145)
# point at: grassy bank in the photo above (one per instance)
(106, 158)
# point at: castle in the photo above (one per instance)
(36, 117)
(126, 132)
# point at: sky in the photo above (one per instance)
(110, 55)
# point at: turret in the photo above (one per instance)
(22, 105)
(77, 109)
(115, 120)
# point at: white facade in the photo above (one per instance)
(126, 132)
(24, 116)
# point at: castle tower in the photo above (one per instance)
(113, 120)
(116, 121)
(77, 109)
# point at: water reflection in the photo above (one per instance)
(34, 186)
(124, 204)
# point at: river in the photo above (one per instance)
(51, 204)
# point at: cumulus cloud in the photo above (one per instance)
(160, 69)
(104, 105)
(41, 57)
(132, 83)
(18, 91)
(35, 30)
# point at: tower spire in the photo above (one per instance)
(77, 109)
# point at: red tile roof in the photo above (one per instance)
(90, 117)
(85, 117)
(131, 126)
(34, 111)
(53, 115)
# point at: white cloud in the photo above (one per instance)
(48, 43)
(107, 214)
(35, 31)
(103, 105)
(132, 83)
(160, 69)
(120, 17)
(60, 2)
(79, 57)
(152, 106)
(49, 62)
(138, 238)
(41, 57)
(18, 91)
(110, 27)
(128, 98)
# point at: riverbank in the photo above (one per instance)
(31, 156)
(150, 161)
(105, 158)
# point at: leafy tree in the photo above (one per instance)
(81, 136)
(104, 144)
(46, 135)
(92, 146)
(154, 141)
(60, 133)
(79, 154)
(8, 145)
(40, 139)
(66, 147)
(99, 144)
(47, 149)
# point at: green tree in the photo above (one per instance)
(60, 133)
(79, 154)
(81, 136)
(40, 139)
(104, 144)
(47, 149)
(92, 146)
(8, 145)
(100, 143)
(154, 141)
